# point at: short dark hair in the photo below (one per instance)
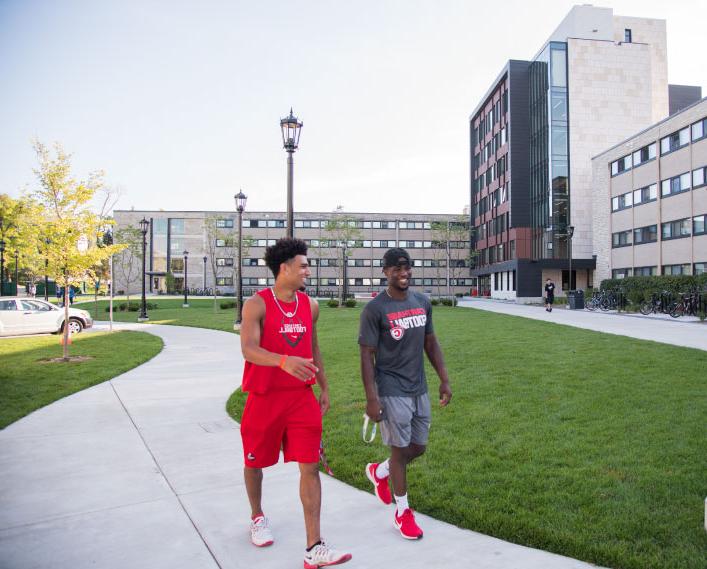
(393, 256)
(284, 250)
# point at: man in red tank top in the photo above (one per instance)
(283, 361)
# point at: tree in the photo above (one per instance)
(343, 232)
(72, 253)
(446, 237)
(21, 227)
(127, 264)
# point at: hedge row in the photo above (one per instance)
(132, 307)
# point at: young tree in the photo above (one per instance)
(343, 232)
(127, 265)
(451, 260)
(74, 230)
(20, 229)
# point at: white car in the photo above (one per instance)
(34, 316)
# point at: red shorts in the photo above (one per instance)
(291, 420)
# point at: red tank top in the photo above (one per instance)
(281, 334)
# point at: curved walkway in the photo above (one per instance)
(144, 471)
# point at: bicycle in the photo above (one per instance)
(657, 304)
(687, 305)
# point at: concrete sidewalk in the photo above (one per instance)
(687, 332)
(145, 471)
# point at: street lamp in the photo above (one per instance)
(2, 267)
(144, 227)
(241, 199)
(570, 233)
(186, 290)
(17, 272)
(291, 129)
(205, 259)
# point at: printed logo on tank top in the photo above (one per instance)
(292, 330)
(406, 319)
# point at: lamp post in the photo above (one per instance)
(291, 129)
(570, 233)
(241, 199)
(205, 259)
(186, 289)
(344, 289)
(2, 267)
(46, 268)
(17, 272)
(144, 226)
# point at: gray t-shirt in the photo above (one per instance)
(397, 329)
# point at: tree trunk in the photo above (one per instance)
(66, 325)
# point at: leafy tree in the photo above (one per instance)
(127, 265)
(343, 233)
(72, 253)
(446, 235)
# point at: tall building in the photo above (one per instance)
(598, 79)
(438, 246)
(651, 200)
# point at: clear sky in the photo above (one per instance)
(180, 101)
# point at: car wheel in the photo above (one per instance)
(75, 326)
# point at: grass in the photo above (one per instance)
(200, 313)
(581, 443)
(27, 383)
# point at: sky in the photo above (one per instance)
(179, 102)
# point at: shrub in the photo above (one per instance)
(640, 289)
(434, 301)
(332, 303)
(132, 307)
(449, 301)
(350, 303)
(228, 304)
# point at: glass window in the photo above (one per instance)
(559, 68)
(8, 305)
(645, 271)
(700, 268)
(621, 239)
(627, 35)
(676, 269)
(698, 224)
(698, 177)
(698, 129)
(620, 273)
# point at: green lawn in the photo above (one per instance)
(199, 314)
(26, 383)
(585, 444)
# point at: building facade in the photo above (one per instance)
(651, 200)
(597, 79)
(341, 246)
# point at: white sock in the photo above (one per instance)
(402, 503)
(382, 469)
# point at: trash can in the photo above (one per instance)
(576, 299)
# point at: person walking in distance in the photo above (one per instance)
(283, 361)
(549, 294)
(395, 330)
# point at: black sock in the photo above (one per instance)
(315, 545)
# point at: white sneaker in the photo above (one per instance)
(322, 555)
(260, 533)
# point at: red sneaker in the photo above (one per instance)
(407, 525)
(380, 485)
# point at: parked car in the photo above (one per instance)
(34, 316)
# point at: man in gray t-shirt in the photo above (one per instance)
(396, 329)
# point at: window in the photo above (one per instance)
(224, 223)
(621, 165)
(645, 195)
(675, 229)
(627, 35)
(621, 239)
(225, 281)
(698, 224)
(227, 242)
(228, 262)
(674, 141)
(8, 305)
(621, 273)
(176, 265)
(647, 234)
(699, 269)
(645, 271)
(698, 129)
(676, 269)
(698, 177)
(644, 155)
(675, 185)
(622, 202)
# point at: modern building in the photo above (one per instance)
(598, 79)
(651, 200)
(341, 246)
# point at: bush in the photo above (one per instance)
(332, 303)
(434, 301)
(449, 301)
(228, 304)
(132, 307)
(350, 303)
(640, 289)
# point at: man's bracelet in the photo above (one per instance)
(283, 359)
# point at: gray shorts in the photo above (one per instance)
(405, 420)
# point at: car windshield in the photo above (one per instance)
(35, 305)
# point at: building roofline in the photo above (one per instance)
(654, 125)
(504, 70)
(397, 215)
